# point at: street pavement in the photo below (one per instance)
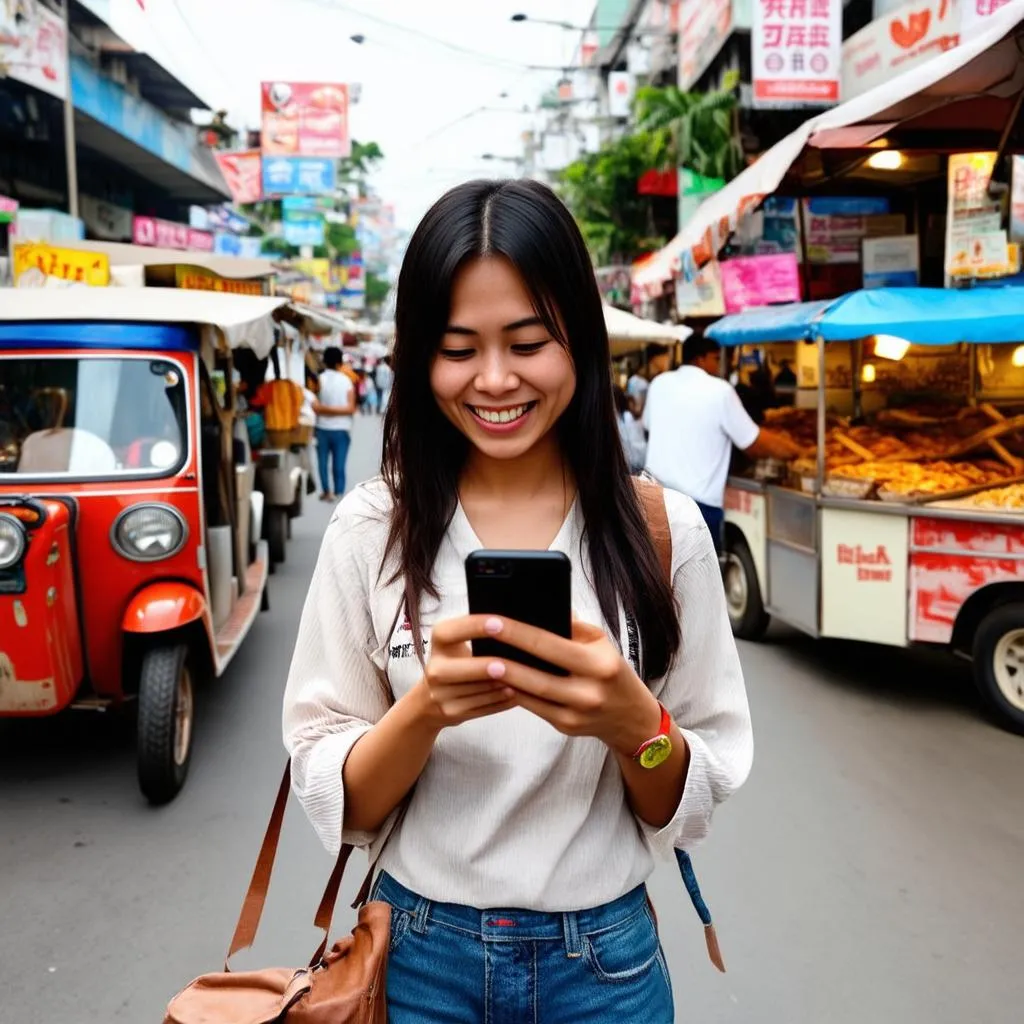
(869, 873)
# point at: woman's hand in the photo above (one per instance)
(601, 697)
(456, 687)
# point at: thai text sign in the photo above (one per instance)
(165, 234)
(38, 265)
(760, 281)
(797, 46)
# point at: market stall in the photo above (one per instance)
(901, 522)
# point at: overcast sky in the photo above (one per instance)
(413, 89)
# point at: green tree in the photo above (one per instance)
(601, 190)
(356, 168)
(341, 240)
(377, 290)
(694, 130)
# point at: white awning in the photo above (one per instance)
(246, 321)
(985, 69)
(627, 332)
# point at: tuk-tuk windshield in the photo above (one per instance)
(79, 417)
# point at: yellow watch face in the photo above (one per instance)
(657, 753)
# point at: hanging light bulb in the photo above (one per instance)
(889, 347)
(1017, 359)
(886, 160)
(867, 373)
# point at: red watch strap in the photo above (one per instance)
(664, 729)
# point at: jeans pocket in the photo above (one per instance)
(400, 921)
(625, 951)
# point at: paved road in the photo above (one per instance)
(870, 873)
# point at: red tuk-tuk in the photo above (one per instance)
(131, 565)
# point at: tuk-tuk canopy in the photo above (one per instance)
(922, 316)
(246, 321)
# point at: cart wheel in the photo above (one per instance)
(747, 616)
(999, 664)
(166, 714)
(276, 520)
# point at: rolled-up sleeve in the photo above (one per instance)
(704, 689)
(335, 692)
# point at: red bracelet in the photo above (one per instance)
(664, 730)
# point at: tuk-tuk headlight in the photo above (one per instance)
(12, 541)
(149, 533)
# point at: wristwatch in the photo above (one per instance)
(658, 749)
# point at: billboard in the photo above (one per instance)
(796, 52)
(33, 46)
(298, 176)
(305, 119)
(243, 173)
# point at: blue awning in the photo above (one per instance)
(922, 316)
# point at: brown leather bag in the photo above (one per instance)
(343, 985)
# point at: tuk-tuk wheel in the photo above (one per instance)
(276, 526)
(166, 714)
(999, 664)
(747, 616)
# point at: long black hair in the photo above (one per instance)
(424, 454)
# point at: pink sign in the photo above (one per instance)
(8, 208)
(305, 119)
(760, 281)
(796, 52)
(243, 173)
(165, 234)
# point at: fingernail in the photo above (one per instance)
(494, 626)
(496, 670)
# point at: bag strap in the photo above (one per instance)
(652, 501)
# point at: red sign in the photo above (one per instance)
(796, 51)
(165, 234)
(243, 173)
(760, 281)
(305, 119)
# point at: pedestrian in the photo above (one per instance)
(636, 392)
(631, 433)
(516, 875)
(385, 378)
(334, 407)
(693, 418)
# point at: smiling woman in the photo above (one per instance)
(540, 796)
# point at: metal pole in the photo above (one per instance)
(69, 120)
(822, 419)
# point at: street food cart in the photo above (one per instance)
(130, 565)
(903, 521)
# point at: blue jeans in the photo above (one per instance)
(715, 518)
(333, 445)
(450, 964)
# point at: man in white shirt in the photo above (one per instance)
(693, 419)
(334, 409)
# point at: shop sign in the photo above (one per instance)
(704, 26)
(836, 227)
(903, 38)
(106, 220)
(37, 265)
(199, 280)
(243, 174)
(621, 90)
(864, 576)
(305, 119)
(33, 46)
(796, 52)
(8, 209)
(165, 234)
(974, 14)
(891, 262)
(303, 227)
(701, 296)
(309, 176)
(760, 281)
(970, 211)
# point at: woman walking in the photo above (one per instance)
(516, 872)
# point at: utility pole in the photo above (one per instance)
(69, 119)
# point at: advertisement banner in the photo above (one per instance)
(298, 175)
(703, 295)
(760, 281)
(305, 119)
(197, 279)
(836, 226)
(243, 173)
(891, 262)
(33, 46)
(165, 234)
(974, 13)
(303, 227)
(901, 39)
(704, 26)
(796, 52)
(37, 265)
(970, 211)
(621, 90)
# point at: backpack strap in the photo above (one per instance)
(652, 502)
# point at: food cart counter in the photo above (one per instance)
(901, 524)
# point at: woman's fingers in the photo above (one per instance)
(451, 635)
(466, 708)
(447, 671)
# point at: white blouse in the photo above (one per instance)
(508, 811)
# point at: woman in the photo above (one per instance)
(529, 803)
(631, 433)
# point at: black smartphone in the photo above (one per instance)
(529, 586)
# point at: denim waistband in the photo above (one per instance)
(510, 924)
